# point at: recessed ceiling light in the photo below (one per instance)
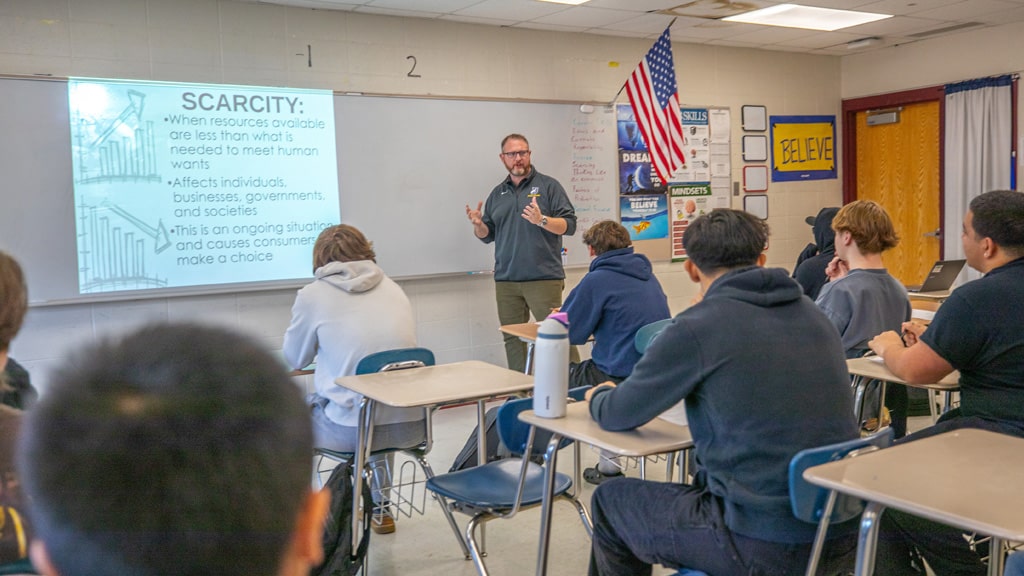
(808, 17)
(572, 2)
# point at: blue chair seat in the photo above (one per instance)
(500, 489)
(494, 486)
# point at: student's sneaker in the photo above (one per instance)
(382, 523)
(870, 426)
(595, 476)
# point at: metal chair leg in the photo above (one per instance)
(867, 541)
(476, 552)
(819, 536)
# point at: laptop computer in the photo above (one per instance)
(942, 276)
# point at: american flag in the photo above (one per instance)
(655, 99)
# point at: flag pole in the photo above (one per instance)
(623, 87)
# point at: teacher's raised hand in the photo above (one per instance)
(476, 217)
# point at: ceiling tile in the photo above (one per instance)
(371, 9)
(434, 6)
(904, 7)
(648, 23)
(1007, 17)
(771, 35)
(967, 10)
(585, 17)
(641, 6)
(897, 25)
(518, 10)
(477, 20)
(821, 40)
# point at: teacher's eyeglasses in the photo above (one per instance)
(516, 154)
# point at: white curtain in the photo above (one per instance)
(978, 145)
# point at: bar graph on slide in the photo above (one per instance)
(113, 249)
(120, 149)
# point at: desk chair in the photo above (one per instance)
(399, 359)
(642, 341)
(822, 506)
(500, 489)
(646, 334)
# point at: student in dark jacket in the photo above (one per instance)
(810, 265)
(753, 400)
(616, 298)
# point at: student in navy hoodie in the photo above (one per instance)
(616, 298)
(754, 398)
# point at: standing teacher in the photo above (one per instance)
(525, 216)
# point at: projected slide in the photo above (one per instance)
(189, 184)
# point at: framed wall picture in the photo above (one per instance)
(756, 204)
(755, 148)
(755, 178)
(755, 118)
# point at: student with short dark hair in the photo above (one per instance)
(977, 331)
(753, 400)
(175, 450)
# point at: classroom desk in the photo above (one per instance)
(527, 332)
(656, 437)
(971, 479)
(936, 296)
(426, 387)
(870, 368)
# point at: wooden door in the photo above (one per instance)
(898, 167)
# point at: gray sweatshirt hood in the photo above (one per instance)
(352, 277)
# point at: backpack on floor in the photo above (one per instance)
(339, 559)
(468, 458)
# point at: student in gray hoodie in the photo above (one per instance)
(350, 310)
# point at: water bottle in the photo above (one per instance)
(551, 366)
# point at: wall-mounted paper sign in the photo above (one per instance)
(755, 118)
(803, 148)
(755, 148)
(756, 204)
(755, 178)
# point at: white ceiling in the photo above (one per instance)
(697, 20)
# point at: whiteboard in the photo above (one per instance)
(407, 167)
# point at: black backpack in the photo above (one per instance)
(338, 557)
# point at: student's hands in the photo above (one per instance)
(836, 269)
(475, 216)
(912, 332)
(590, 393)
(532, 212)
(885, 341)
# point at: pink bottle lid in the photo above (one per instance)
(562, 318)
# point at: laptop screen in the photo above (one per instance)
(941, 277)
